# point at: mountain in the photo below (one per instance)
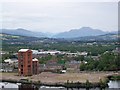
(74, 33)
(23, 32)
(82, 32)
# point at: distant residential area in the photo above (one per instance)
(59, 55)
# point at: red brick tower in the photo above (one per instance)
(25, 62)
(35, 66)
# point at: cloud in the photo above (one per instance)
(57, 16)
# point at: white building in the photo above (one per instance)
(11, 61)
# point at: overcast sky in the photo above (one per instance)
(59, 15)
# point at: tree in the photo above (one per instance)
(82, 67)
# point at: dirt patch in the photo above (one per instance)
(48, 77)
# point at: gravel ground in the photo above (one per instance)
(48, 77)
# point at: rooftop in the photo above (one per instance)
(35, 59)
(23, 50)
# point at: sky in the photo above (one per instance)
(56, 16)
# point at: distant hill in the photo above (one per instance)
(22, 32)
(105, 37)
(82, 32)
(11, 37)
(74, 33)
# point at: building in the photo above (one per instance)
(73, 66)
(5, 67)
(25, 62)
(35, 66)
(11, 61)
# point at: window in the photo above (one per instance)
(21, 70)
(29, 55)
(29, 61)
(29, 65)
(21, 56)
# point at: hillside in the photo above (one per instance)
(23, 32)
(105, 37)
(17, 38)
